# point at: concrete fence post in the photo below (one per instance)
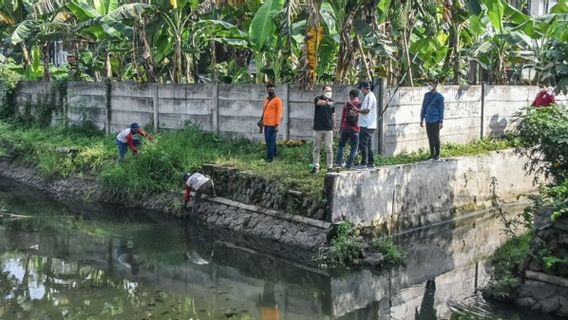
(381, 86)
(156, 106)
(215, 111)
(286, 98)
(482, 122)
(108, 106)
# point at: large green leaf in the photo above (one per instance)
(326, 13)
(262, 26)
(23, 31)
(129, 11)
(515, 15)
(496, 11)
(43, 7)
(105, 6)
(83, 11)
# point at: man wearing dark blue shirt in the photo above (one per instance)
(433, 113)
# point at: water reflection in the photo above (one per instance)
(103, 264)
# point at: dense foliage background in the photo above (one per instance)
(298, 41)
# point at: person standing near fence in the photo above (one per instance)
(349, 129)
(368, 125)
(272, 110)
(433, 113)
(324, 124)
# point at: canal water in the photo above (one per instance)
(95, 263)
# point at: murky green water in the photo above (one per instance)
(61, 263)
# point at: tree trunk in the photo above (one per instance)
(26, 54)
(407, 57)
(45, 53)
(177, 67)
(213, 62)
(147, 55)
(108, 66)
(346, 49)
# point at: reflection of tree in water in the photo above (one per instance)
(427, 309)
(76, 291)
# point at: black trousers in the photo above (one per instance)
(433, 132)
(366, 146)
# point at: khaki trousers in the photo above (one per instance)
(325, 137)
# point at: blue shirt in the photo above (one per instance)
(432, 107)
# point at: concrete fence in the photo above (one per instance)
(472, 112)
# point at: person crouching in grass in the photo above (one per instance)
(125, 139)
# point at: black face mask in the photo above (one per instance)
(271, 94)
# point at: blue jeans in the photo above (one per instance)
(270, 138)
(353, 138)
(123, 147)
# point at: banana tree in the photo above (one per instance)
(262, 39)
(40, 31)
(12, 13)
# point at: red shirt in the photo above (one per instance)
(354, 103)
(543, 99)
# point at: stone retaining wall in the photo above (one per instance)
(263, 192)
(269, 231)
(546, 289)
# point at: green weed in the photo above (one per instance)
(507, 264)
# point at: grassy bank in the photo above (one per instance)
(159, 165)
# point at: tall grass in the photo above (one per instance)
(159, 165)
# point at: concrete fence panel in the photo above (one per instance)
(34, 93)
(178, 104)
(401, 121)
(131, 102)
(501, 103)
(87, 102)
(240, 108)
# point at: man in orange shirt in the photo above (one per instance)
(272, 110)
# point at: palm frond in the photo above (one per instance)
(43, 7)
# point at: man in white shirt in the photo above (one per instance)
(368, 125)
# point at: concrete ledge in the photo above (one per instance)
(408, 196)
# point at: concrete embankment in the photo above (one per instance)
(402, 197)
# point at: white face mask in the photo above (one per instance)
(328, 95)
(430, 87)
